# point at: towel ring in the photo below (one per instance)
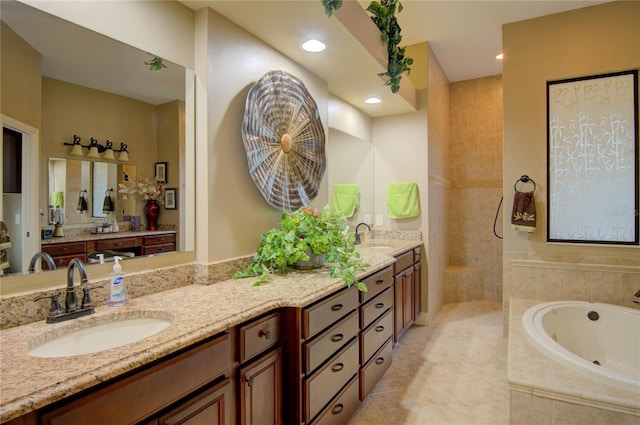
(524, 179)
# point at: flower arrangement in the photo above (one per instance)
(321, 231)
(149, 190)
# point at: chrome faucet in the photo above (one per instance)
(46, 257)
(358, 241)
(71, 309)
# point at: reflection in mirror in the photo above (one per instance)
(61, 79)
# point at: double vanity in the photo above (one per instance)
(301, 348)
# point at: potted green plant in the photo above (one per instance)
(302, 235)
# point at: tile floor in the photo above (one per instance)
(452, 372)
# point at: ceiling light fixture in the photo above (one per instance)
(499, 56)
(313, 46)
(372, 100)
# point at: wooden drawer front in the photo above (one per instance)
(323, 314)
(373, 338)
(258, 336)
(326, 383)
(152, 389)
(403, 261)
(211, 407)
(117, 244)
(169, 238)
(321, 348)
(377, 283)
(340, 410)
(158, 249)
(375, 368)
(65, 248)
(374, 308)
(62, 262)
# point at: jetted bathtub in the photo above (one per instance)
(602, 340)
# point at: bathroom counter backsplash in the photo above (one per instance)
(199, 311)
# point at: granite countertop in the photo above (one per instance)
(101, 236)
(197, 312)
(532, 372)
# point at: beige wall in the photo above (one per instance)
(21, 83)
(232, 213)
(475, 161)
(598, 39)
(435, 229)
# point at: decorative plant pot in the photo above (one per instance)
(314, 262)
(152, 211)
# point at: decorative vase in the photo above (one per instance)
(152, 211)
(315, 261)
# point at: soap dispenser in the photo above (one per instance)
(118, 290)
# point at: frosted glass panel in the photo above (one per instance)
(593, 159)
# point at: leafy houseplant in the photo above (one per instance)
(320, 231)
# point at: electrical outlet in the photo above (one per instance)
(367, 218)
(379, 220)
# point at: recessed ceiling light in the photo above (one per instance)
(372, 100)
(313, 46)
(499, 56)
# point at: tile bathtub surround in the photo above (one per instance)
(199, 311)
(452, 372)
(545, 392)
(553, 277)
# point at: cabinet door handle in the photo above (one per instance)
(379, 328)
(337, 337)
(379, 360)
(379, 305)
(379, 281)
(265, 333)
(337, 409)
(63, 249)
(250, 381)
(337, 367)
(336, 307)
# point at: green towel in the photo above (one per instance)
(402, 200)
(345, 198)
(57, 199)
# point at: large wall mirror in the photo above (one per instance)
(78, 82)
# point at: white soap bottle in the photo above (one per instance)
(118, 290)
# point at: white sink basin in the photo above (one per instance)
(98, 337)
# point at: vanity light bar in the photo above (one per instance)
(95, 149)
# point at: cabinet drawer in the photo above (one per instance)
(152, 389)
(117, 244)
(377, 283)
(211, 407)
(371, 373)
(158, 249)
(323, 314)
(169, 238)
(321, 348)
(340, 410)
(403, 261)
(374, 308)
(62, 262)
(258, 336)
(373, 338)
(65, 248)
(325, 384)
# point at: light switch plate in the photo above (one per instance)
(379, 220)
(367, 218)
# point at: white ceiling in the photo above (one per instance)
(465, 37)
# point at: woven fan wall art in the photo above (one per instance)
(284, 140)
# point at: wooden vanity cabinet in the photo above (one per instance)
(407, 280)
(63, 253)
(157, 244)
(194, 383)
(260, 371)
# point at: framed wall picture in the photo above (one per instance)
(170, 198)
(592, 168)
(162, 172)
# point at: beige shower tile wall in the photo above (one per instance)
(476, 183)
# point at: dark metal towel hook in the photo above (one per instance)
(524, 179)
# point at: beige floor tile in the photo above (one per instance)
(452, 372)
